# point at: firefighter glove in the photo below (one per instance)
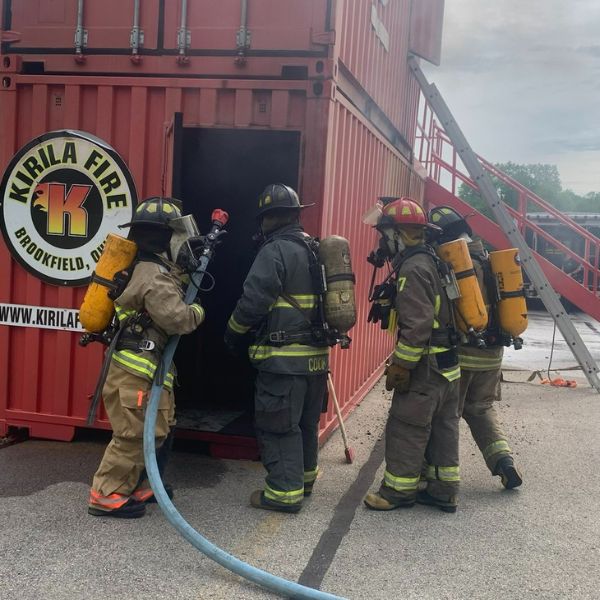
(397, 378)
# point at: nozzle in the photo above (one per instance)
(219, 216)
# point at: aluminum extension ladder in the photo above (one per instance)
(490, 196)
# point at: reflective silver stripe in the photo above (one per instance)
(477, 363)
(141, 365)
(123, 313)
(310, 476)
(303, 300)
(297, 350)
(435, 349)
(199, 310)
(408, 353)
(436, 311)
(451, 374)
(291, 497)
(400, 484)
(235, 326)
(451, 474)
(495, 448)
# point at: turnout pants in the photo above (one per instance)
(125, 398)
(423, 425)
(287, 411)
(478, 392)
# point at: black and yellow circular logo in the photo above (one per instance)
(60, 196)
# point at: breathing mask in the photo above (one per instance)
(185, 230)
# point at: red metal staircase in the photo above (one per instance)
(446, 173)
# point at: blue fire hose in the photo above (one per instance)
(272, 582)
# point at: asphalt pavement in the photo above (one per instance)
(540, 541)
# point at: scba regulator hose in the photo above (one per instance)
(272, 582)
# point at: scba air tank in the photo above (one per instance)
(97, 308)
(469, 308)
(339, 303)
(512, 308)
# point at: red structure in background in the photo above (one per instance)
(446, 174)
(319, 94)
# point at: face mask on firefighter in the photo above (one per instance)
(391, 241)
(184, 230)
(412, 235)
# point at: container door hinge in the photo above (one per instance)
(184, 39)
(136, 39)
(243, 38)
(81, 38)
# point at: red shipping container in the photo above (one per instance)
(212, 141)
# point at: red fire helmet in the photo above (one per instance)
(404, 211)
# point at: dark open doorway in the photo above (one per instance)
(228, 169)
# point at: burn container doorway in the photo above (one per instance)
(227, 169)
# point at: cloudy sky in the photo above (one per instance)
(522, 78)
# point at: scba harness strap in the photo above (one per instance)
(317, 332)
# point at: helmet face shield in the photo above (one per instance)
(184, 228)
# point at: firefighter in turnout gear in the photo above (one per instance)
(481, 368)
(279, 306)
(423, 371)
(150, 309)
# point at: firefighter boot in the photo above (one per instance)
(448, 506)
(168, 489)
(132, 509)
(375, 501)
(509, 474)
(258, 500)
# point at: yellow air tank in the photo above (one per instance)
(512, 309)
(339, 303)
(471, 314)
(97, 308)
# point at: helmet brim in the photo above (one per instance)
(268, 208)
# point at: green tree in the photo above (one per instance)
(543, 180)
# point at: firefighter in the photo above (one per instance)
(481, 367)
(279, 306)
(423, 371)
(150, 309)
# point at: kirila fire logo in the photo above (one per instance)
(61, 195)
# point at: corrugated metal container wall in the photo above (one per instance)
(211, 40)
(47, 379)
(373, 46)
(361, 165)
(275, 25)
(355, 127)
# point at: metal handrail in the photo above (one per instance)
(432, 143)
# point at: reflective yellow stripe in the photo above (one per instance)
(263, 352)
(451, 374)
(400, 484)
(443, 473)
(475, 362)
(199, 310)
(436, 311)
(141, 365)
(235, 326)
(123, 313)
(303, 300)
(436, 349)
(408, 353)
(291, 497)
(495, 447)
(310, 476)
